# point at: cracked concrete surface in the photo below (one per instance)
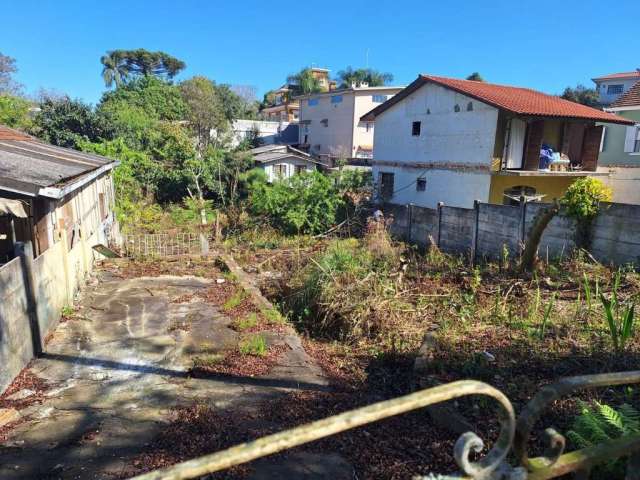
(118, 368)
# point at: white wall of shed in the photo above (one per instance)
(446, 136)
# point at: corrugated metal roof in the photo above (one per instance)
(269, 153)
(27, 164)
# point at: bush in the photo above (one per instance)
(304, 203)
(349, 291)
(582, 199)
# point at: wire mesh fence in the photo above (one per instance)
(166, 244)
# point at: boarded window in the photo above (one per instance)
(386, 185)
(415, 129)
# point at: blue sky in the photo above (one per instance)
(545, 45)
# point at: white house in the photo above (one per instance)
(330, 124)
(611, 87)
(455, 141)
(283, 161)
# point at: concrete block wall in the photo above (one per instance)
(456, 229)
(57, 276)
(484, 230)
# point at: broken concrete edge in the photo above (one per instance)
(444, 415)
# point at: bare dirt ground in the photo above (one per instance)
(118, 369)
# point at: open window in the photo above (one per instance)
(386, 181)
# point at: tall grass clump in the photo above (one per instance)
(348, 291)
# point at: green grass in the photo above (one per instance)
(273, 316)
(67, 311)
(250, 321)
(207, 360)
(235, 300)
(253, 345)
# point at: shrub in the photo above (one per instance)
(304, 203)
(582, 199)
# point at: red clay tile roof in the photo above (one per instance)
(11, 134)
(521, 101)
(613, 76)
(630, 99)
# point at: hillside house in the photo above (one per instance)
(60, 191)
(330, 124)
(280, 162)
(620, 155)
(455, 141)
(612, 86)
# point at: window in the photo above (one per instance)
(421, 184)
(428, 111)
(386, 185)
(325, 122)
(456, 108)
(379, 98)
(280, 170)
(614, 89)
(470, 107)
(336, 98)
(632, 139)
(312, 102)
(368, 126)
(299, 169)
(415, 129)
(306, 139)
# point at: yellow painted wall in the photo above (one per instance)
(552, 187)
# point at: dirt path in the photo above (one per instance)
(121, 365)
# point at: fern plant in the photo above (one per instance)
(601, 423)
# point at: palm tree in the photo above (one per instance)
(305, 82)
(114, 68)
(373, 78)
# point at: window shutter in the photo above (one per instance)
(630, 138)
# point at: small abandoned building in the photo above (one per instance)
(52, 189)
(455, 141)
(56, 204)
(280, 162)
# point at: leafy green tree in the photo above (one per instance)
(304, 82)
(476, 77)
(118, 65)
(304, 203)
(349, 76)
(14, 112)
(581, 94)
(7, 68)
(68, 123)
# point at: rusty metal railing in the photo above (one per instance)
(493, 466)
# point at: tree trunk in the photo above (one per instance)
(533, 242)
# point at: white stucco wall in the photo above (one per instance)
(290, 163)
(454, 188)
(463, 140)
(344, 132)
(335, 137)
(624, 182)
(446, 136)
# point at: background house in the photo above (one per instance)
(456, 141)
(330, 124)
(269, 133)
(613, 86)
(283, 108)
(620, 155)
(283, 161)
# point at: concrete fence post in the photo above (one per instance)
(409, 221)
(25, 252)
(438, 233)
(474, 231)
(204, 244)
(521, 235)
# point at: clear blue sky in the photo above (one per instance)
(545, 45)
